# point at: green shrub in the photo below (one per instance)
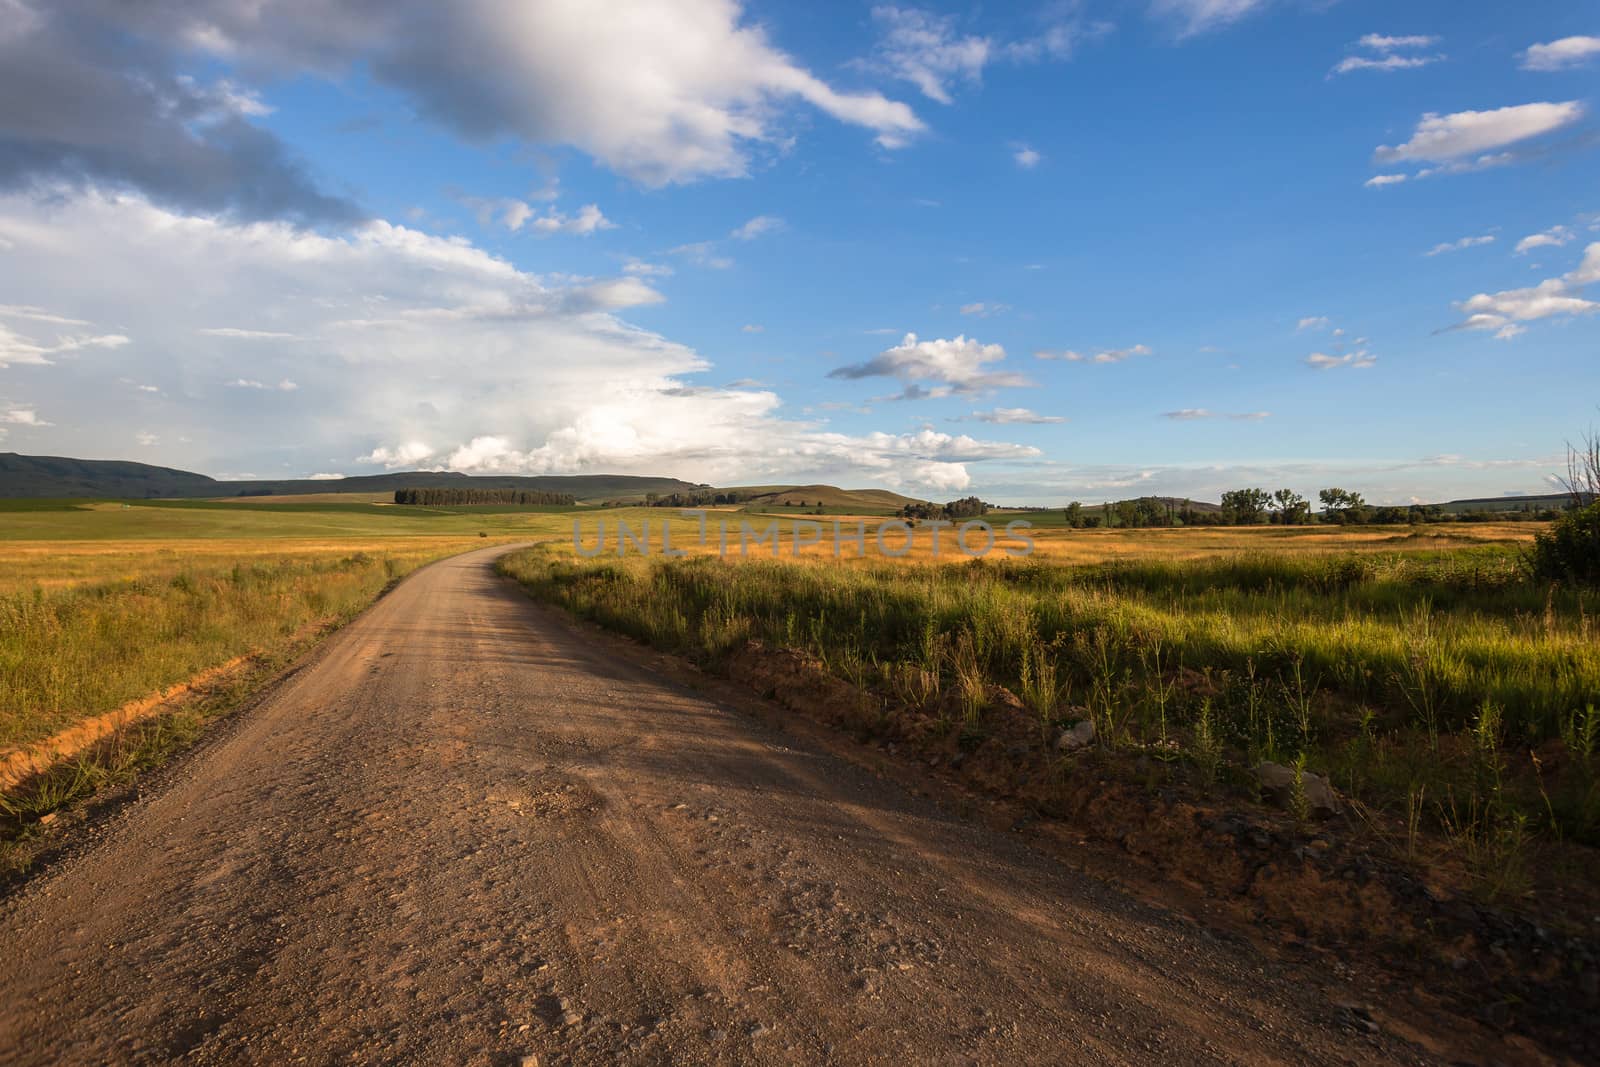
(1569, 551)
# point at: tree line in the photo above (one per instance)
(968, 507)
(1282, 507)
(454, 496)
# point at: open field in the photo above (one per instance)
(104, 603)
(1426, 676)
(1378, 632)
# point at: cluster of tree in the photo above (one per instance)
(1250, 507)
(968, 507)
(700, 498)
(454, 496)
(1144, 511)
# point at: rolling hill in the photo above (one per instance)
(60, 476)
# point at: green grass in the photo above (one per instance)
(1378, 669)
(196, 519)
(74, 653)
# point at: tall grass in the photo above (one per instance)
(1377, 668)
(69, 654)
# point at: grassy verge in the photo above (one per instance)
(72, 653)
(1440, 687)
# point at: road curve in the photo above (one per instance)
(466, 833)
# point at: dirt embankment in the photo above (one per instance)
(1333, 884)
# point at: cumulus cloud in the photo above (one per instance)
(1563, 54)
(283, 386)
(1554, 237)
(1312, 322)
(1505, 312)
(1470, 140)
(1378, 181)
(1027, 158)
(661, 91)
(1459, 245)
(90, 94)
(937, 367)
(1105, 355)
(409, 350)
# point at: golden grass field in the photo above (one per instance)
(1419, 629)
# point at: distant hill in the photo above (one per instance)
(826, 496)
(59, 476)
(1509, 503)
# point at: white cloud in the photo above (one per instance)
(1312, 322)
(325, 477)
(983, 310)
(751, 327)
(1105, 355)
(1385, 57)
(413, 350)
(245, 335)
(1504, 312)
(1554, 237)
(1385, 63)
(22, 417)
(927, 50)
(586, 221)
(146, 439)
(1025, 157)
(1378, 42)
(1191, 414)
(18, 348)
(1463, 243)
(1561, 55)
(1378, 181)
(1016, 416)
(756, 227)
(662, 91)
(285, 386)
(37, 314)
(407, 454)
(1200, 16)
(642, 269)
(1358, 359)
(955, 366)
(702, 254)
(923, 48)
(1447, 138)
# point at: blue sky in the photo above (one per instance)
(762, 242)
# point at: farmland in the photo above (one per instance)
(1399, 663)
(1425, 675)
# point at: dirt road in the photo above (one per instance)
(467, 833)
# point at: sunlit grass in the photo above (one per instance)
(1376, 667)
